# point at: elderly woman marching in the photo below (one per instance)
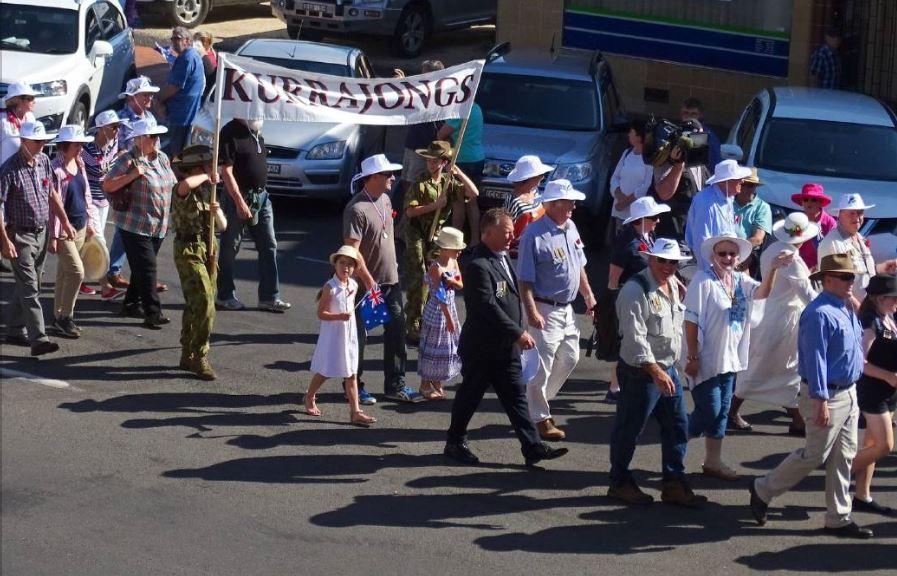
(717, 331)
(771, 375)
(190, 210)
(18, 108)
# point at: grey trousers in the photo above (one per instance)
(26, 313)
(834, 445)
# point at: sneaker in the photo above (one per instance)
(365, 398)
(118, 281)
(111, 293)
(405, 394)
(86, 290)
(43, 347)
(66, 328)
(232, 304)
(276, 305)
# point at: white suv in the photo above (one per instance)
(77, 54)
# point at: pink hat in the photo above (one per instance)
(811, 191)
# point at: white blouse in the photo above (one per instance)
(859, 253)
(633, 177)
(9, 135)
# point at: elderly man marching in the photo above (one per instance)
(830, 361)
(551, 268)
(650, 311)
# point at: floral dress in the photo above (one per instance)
(439, 360)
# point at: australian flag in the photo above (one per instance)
(373, 309)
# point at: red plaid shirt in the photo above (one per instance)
(147, 213)
(25, 191)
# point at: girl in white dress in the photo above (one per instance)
(336, 354)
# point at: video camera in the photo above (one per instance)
(661, 136)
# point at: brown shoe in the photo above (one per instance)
(117, 281)
(548, 431)
(203, 369)
(186, 362)
(630, 493)
(679, 493)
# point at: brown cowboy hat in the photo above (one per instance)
(193, 156)
(834, 264)
(439, 149)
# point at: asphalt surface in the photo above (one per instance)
(114, 462)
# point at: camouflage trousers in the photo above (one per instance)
(199, 295)
(416, 286)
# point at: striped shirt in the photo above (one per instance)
(97, 163)
(25, 191)
(150, 195)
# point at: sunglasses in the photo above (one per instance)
(811, 201)
(722, 254)
(845, 277)
(651, 218)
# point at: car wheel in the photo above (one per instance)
(412, 31)
(78, 115)
(189, 13)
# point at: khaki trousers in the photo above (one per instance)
(69, 274)
(835, 445)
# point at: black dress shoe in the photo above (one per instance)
(16, 340)
(43, 347)
(156, 322)
(460, 452)
(543, 452)
(758, 506)
(872, 507)
(849, 531)
(131, 311)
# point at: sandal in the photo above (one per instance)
(722, 473)
(361, 419)
(428, 391)
(440, 392)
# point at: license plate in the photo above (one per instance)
(273, 168)
(496, 193)
(322, 8)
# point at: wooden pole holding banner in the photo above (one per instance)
(442, 189)
(212, 258)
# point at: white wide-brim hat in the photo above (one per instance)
(645, 207)
(34, 130)
(561, 190)
(94, 258)
(72, 133)
(796, 228)
(451, 239)
(105, 118)
(147, 127)
(744, 247)
(849, 201)
(728, 170)
(665, 248)
(347, 251)
(17, 89)
(374, 165)
(527, 167)
(138, 85)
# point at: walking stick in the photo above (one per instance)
(212, 253)
(432, 236)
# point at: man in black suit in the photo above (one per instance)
(491, 340)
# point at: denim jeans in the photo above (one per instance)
(712, 400)
(116, 254)
(265, 244)
(639, 399)
(395, 355)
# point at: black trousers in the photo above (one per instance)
(395, 354)
(141, 252)
(505, 379)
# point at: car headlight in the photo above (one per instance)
(327, 151)
(575, 172)
(54, 88)
(201, 136)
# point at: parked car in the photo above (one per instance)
(409, 23)
(305, 159)
(76, 54)
(187, 13)
(565, 110)
(843, 140)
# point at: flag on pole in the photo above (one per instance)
(374, 311)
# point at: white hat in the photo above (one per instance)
(374, 165)
(850, 201)
(728, 170)
(94, 258)
(106, 118)
(17, 89)
(73, 133)
(138, 85)
(645, 207)
(561, 190)
(795, 228)
(744, 247)
(33, 130)
(665, 248)
(147, 126)
(451, 239)
(527, 167)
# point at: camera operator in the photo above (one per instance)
(693, 109)
(675, 184)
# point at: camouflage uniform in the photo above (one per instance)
(418, 248)
(190, 222)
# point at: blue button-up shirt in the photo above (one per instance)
(829, 346)
(711, 213)
(551, 258)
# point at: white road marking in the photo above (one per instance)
(51, 382)
(315, 260)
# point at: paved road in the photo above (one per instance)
(114, 463)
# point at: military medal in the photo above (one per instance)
(383, 233)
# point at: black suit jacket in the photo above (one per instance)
(494, 319)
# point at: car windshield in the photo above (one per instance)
(538, 102)
(835, 149)
(306, 65)
(38, 29)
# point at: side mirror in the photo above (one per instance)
(731, 152)
(101, 49)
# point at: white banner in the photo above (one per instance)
(254, 90)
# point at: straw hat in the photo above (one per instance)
(94, 258)
(744, 247)
(728, 170)
(834, 264)
(795, 228)
(754, 178)
(438, 149)
(345, 250)
(665, 248)
(526, 167)
(561, 190)
(451, 239)
(645, 207)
